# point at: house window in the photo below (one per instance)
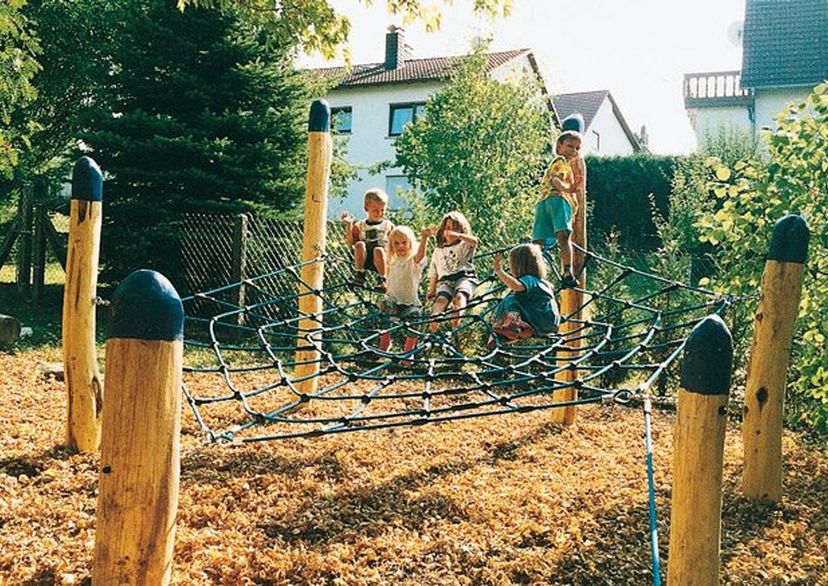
(596, 142)
(402, 114)
(341, 119)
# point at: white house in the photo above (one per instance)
(606, 132)
(373, 102)
(784, 55)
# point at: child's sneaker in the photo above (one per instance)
(359, 279)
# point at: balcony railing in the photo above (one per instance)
(717, 88)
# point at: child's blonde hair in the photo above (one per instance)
(527, 259)
(459, 220)
(375, 194)
(409, 235)
(568, 135)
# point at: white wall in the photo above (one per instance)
(770, 101)
(369, 142)
(711, 120)
(613, 140)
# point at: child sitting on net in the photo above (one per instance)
(369, 237)
(405, 268)
(555, 212)
(451, 275)
(530, 308)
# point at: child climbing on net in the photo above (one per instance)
(405, 268)
(369, 237)
(530, 308)
(451, 275)
(555, 212)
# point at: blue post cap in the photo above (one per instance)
(574, 121)
(320, 117)
(708, 358)
(789, 242)
(87, 180)
(146, 306)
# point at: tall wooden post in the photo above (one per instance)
(83, 384)
(767, 370)
(572, 300)
(320, 153)
(41, 216)
(239, 266)
(698, 454)
(139, 468)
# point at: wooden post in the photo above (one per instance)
(24, 250)
(767, 370)
(83, 384)
(314, 241)
(39, 254)
(572, 300)
(239, 268)
(139, 467)
(698, 454)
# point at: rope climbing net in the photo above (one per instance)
(246, 382)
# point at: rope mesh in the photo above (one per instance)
(245, 383)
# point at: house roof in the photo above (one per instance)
(588, 104)
(435, 68)
(785, 43)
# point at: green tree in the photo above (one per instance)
(202, 115)
(18, 65)
(315, 25)
(480, 149)
(755, 194)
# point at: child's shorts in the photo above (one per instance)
(370, 247)
(389, 306)
(552, 215)
(448, 288)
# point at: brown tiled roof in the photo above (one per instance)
(588, 103)
(436, 68)
(785, 43)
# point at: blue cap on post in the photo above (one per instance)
(574, 122)
(708, 358)
(320, 117)
(146, 306)
(789, 242)
(87, 180)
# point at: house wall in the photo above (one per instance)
(369, 143)
(605, 135)
(707, 121)
(770, 101)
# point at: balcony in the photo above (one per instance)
(722, 88)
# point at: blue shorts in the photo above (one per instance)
(552, 215)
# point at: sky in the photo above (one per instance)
(639, 50)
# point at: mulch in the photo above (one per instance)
(514, 499)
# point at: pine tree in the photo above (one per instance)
(203, 115)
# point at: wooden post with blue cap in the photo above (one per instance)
(320, 154)
(83, 381)
(698, 455)
(139, 466)
(763, 410)
(572, 300)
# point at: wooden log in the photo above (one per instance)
(763, 411)
(83, 384)
(140, 459)
(571, 299)
(39, 255)
(698, 455)
(320, 153)
(239, 261)
(25, 212)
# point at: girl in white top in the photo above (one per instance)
(404, 271)
(451, 275)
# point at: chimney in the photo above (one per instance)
(396, 50)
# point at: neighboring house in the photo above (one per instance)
(784, 55)
(372, 104)
(606, 133)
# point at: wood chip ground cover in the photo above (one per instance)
(513, 499)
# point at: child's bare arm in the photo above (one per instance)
(432, 286)
(421, 249)
(506, 278)
(467, 238)
(563, 186)
(349, 220)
